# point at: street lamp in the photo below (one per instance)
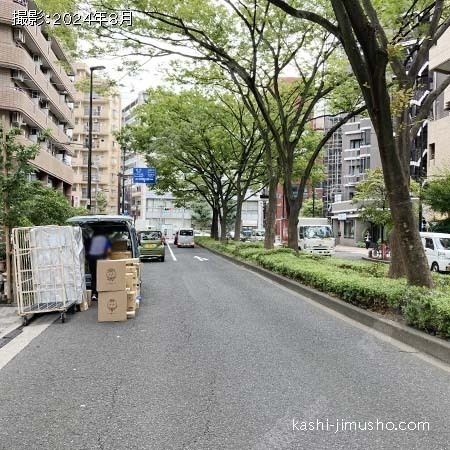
(89, 188)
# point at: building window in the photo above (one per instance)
(432, 151)
(365, 137)
(355, 143)
(349, 229)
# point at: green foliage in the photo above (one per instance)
(14, 159)
(373, 196)
(442, 226)
(308, 210)
(363, 284)
(437, 194)
(39, 205)
(201, 215)
(101, 203)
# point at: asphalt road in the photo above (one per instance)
(217, 358)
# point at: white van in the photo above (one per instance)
(437, 249)
(315, 236)
(185, 237)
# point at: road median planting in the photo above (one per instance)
(362, 284)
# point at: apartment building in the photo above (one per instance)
(359, 152)
(106, 120)
(133, 196)
(36, 94)
(439, 126)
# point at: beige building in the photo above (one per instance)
(106, 114)
(36, 94)
(439, 127)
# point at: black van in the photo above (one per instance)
(117, 228)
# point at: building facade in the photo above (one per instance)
(106, 120)
(37, 94)
(439, 126)
(359, 152)
(133, 196)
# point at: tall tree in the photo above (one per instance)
(200, 146)
(14, 161)
(378, 45)
(255, 44)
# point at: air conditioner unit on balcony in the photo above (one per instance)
(19, 36)
(35, 96)
(17, 119)
(95, 120)
(17, 75)
(34, 134)
(37, 59)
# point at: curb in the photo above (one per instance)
(423, 342)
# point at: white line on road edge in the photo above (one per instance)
(10, 350)
(171, 252)
(200, 258)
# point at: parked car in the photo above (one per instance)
(151, 245)
(119, 230)
(185, 238)
(258, 235)
(437, 250)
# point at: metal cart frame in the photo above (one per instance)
(40, 288)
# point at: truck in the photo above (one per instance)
(315, 236)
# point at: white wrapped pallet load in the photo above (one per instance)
(49, 269)
(61, 251)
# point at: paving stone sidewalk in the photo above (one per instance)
(9, 320)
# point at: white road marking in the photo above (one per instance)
(10, 350)
(200, 258)
(171, 252)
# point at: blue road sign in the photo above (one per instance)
(146, 175)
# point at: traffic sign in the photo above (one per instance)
(146, 175)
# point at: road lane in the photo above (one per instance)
(218, 358)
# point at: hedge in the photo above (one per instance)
(362, 284)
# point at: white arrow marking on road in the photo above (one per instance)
(171, 252)
(200, 258)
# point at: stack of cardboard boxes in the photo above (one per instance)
(118, 289)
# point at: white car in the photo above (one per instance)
(437, 250)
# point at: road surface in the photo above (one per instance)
(219, 358)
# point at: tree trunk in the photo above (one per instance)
(396, 268)
(409, 245)
(237, 223)
(8, 284)
(215, 224)
(223, 224)
(271, 213)
(293, 226)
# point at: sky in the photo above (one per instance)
(151, 75)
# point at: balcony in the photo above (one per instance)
(440, 54)
(15, 100)
(18, 58)
(35, 38)
(47, 163)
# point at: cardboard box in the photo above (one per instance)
(84, 306)
(131, 314)
(89, 297)
(131, 301)
(112, 306)
(120, 255)
(130, 281)
(119, 246)
(110, 275)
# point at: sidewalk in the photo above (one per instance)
(347, 249)
(9, 320)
